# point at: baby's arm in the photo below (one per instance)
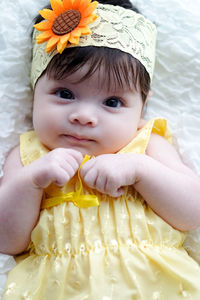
(21, 191)
(169, 187)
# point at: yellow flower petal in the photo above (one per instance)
(61, 47)
(76, 32)
(76, 4)
(84, 4)
(48, 14)
(57, 6)
(52, 43)
(85, 30)
(43, 37)
(93, 18)
(86, 21)
(64, 38)
(44, 25)
(63, 42)
(74, 40)
(67, 4)
(90, 9)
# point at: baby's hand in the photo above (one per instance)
(58, 166)
(108, 173)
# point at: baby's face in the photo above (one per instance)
(83, 116)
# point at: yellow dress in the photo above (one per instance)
(119, 250)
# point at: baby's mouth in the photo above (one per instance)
(76, 138)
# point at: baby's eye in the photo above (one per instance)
(113, 102)
(65, 94)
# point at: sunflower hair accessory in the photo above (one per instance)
(66, 22)
(73, 23)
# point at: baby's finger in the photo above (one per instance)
(69, 169)
(70, 163)
(75, 154)
(86, 167)
(100, 184)
(50, 173)
(119, 192)
(90, 177)
(61, 177)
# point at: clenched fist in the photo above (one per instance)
(108, 173)
(58, 166)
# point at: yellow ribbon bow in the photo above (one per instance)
(80, 200)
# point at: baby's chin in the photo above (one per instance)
(79, 149)
(83, 149)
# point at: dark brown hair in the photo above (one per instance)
(119, 66)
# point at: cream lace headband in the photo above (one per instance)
(66, 25)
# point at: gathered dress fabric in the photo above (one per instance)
(119, 250)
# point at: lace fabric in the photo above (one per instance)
(115, 27)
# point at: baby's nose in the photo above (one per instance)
(83, 117)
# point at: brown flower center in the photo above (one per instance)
(66, 22)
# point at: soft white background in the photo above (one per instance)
(176, 83)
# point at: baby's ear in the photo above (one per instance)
(142, 122)
(150, 94)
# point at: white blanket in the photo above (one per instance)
(176, 83)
